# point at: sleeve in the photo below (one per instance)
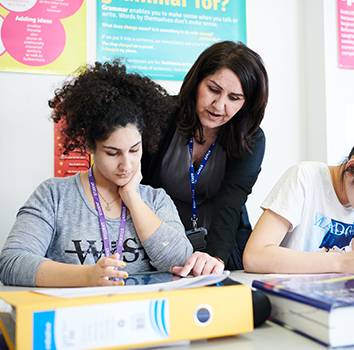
(28, 241)
(288, 195)
(239, 179)
(168, 246)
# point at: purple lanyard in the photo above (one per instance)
(103, 224)
(194, 177)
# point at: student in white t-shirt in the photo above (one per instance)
(308, 214)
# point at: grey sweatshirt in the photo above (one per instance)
(57, 222)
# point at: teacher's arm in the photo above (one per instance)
(240, 177)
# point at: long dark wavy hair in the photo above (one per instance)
(104, 97)
(235, 135)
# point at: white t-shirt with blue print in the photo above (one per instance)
(305, 197)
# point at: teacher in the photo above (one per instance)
(211, 153)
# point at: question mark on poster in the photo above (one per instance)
(223, 4)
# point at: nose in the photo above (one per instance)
(125, 163)
(219, 103)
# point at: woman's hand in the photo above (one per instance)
(105, 268)
(130, 188)
(199, 264)
(54, 274)
(145, 221)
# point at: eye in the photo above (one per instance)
(134, 150)
(215, 91)
(235, 98)
(112, 154)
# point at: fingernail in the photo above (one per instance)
(121, 283)
(125, 275)
(123, 264)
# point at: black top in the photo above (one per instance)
(230, 226)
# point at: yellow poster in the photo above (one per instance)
(42, 36)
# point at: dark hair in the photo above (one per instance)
(235, 135)
(104, 97)
(344, 163)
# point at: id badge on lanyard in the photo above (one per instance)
(196, 235)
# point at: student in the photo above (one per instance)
(308, 214)
(97, 226)
(220, 107)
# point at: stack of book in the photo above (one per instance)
(318, 306)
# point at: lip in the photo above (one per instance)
(123, 176)
(213, 116)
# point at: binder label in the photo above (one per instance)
(104, 325)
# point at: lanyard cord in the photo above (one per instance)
(194, 177)
(103, 224)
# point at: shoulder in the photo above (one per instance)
(258, 143)
(49, 195)
(258, 135)
(309, 170)
(56, 187)
(303, 175)
(151, 194)
(253, 159)
(58, 183)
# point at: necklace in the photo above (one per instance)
(107, 207)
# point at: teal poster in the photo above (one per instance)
(163, 38)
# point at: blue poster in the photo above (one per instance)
(163, 38)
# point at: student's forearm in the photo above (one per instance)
(55, 274)
(145, 221)
(263, 253)
(275, 259)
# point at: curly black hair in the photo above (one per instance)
(104, 97)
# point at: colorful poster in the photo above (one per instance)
(345, 13)
(68, 164)
(42, 36)
(163, 38)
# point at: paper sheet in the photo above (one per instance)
(183, 283)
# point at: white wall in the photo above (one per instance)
(339, 93)
(310, 102)
(275, 30)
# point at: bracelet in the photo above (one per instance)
(219, 260)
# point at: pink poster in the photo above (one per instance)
(41, 36)
(345, 12)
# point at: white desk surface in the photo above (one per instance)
(269, 336)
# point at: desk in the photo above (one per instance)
(269, 336)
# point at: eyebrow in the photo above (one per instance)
(233, 93)
(118, 149)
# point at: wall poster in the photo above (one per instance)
(42, 36)
(163, 38)
(345, 14)
(71, 163)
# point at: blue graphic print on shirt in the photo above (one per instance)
(337, 233)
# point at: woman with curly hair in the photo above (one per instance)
(214, 147)
(96, 227)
